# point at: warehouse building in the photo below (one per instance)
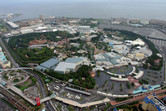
(121, 49)
(64, 67)
(25, 31)
(49, 64)
(78, 61)
(12, 25)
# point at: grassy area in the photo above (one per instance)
(42, 76)
(22, 88)
(19, 45)
(121, 70)
(5, 76)
(16, 80)
(3, 28)
(105, 83)
(27, 84)
(115, 70)
(126, 67)
(11, 74)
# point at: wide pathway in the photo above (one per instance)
(74, 103)
(136, 83)
(20, 93)
(141, 97)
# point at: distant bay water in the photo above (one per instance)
(142, 9)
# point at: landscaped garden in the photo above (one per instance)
(30, 82)
(123, 70)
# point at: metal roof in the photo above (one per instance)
(113, 61)
(13, 25)
(49, 63)
(142, 89)
(73, 60)
(63, 66)
(76, 90)
(41, 67)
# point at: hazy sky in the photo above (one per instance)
(87, 8)
(136, 1)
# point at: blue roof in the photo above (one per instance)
(2, 82)
(50, 63)
(110, 44)
(53, 67)
(41, 67)
(142, 89)
(115, 109)
(3, 59)
(1, 53)
(73, 60)
(114, 61)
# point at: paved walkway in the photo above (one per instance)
(112, 95)
(74, 103)
(45, 99)
(20, 93)
(132, 80)
(141, 97)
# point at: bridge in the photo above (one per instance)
(19, 68)
(53, 96)
(74, 103)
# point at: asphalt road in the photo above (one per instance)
(39, 80)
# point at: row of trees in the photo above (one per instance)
(34, 55)
(19, 45)
(81, 77)
(23, 40)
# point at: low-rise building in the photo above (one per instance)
(64, 67)
(4, 63)
(135, 42)
(25, 31)
(78, 61)
(153, 103)
(145, 88)
(47, 65)
(121, 49)
(12, 25)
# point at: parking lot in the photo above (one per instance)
(104, 84)
(158, 42)
(61, 91)
(32, 92)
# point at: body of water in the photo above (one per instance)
(143, 9)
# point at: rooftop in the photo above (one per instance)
(63, 66)
(156, 102)
(13, 25)
(145, 88)
(74, 60)
(49, 63)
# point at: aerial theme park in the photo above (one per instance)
(82, 64)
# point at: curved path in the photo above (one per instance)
(39, 80)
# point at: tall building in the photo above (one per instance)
(152, 103)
